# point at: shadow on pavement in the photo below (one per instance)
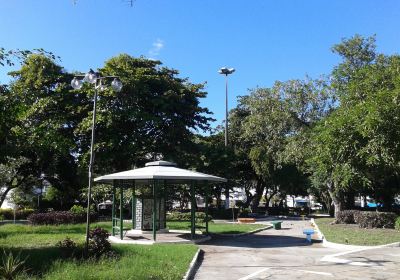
(259, 241)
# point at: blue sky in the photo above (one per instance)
(264, 40)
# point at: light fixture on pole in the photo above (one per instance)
(226, 71)
(94, 78)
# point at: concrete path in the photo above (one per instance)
(284, 254)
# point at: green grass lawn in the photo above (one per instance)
(221, 228)
(26, 236)
(45, 261)
(353, 235)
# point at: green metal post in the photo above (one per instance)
(206, 204)
(192, 211)
(113, 210)
(133, 205)
(165, 203)
(121, 208)
(154, 210)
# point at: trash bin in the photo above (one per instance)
(276, 224)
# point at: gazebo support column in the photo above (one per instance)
(154, 210)
(113, 210)
(121, 208)
(165, 202)
(192, 211)
(206, 206)
(133, 205)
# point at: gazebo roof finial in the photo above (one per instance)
(160, 163)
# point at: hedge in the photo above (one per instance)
(347, 217)
(376, 219)
(58, 217)
(186, 216)
(397, 223)
(8, 214)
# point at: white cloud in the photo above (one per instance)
(158, 45)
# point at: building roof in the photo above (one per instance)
(159, 170)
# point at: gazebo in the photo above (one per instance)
(148, 185)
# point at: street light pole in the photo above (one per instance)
(226, 71)
(226, 110)
(91, 170)
(93, 78)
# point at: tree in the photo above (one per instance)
(354, 147)
(13, 175)
(155, 113)
(49, 123)
(269, 119)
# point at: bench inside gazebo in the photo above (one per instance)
(148, 186)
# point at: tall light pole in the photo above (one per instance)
(93, 78)
(226, 71)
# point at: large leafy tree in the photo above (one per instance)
(42, 126)
(49, 123)
(155, 113)
(271, 122)
(355, 148)
(18, 169)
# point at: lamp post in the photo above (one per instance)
(226, 71)
(93, 78)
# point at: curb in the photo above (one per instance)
(192, 267)
(241, 234)
(329, 244)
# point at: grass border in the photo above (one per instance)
(329, 244)
(192, 266)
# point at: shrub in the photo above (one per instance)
(397, 223)
(67, 246)
(223, 213)
(8, 214)
(186, 216)
(376, 219)
(57, 218)
(347, 217)
(77, 210)
(244, 212)
(11, 266)
(98, 242)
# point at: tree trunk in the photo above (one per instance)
(4, 194)
(218, 198)
(338, 200)
(257, 196)
(249, 198)
(268, 198)
(227, 198)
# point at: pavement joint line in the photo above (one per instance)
(254, 274)
(315, 272)
(334, 257)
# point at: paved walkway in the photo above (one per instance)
(284, 254)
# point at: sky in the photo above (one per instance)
(264, 40)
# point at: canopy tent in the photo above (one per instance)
(155, 174)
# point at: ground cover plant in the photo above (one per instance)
(354, 235)
(220, 228)
(44, 249)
